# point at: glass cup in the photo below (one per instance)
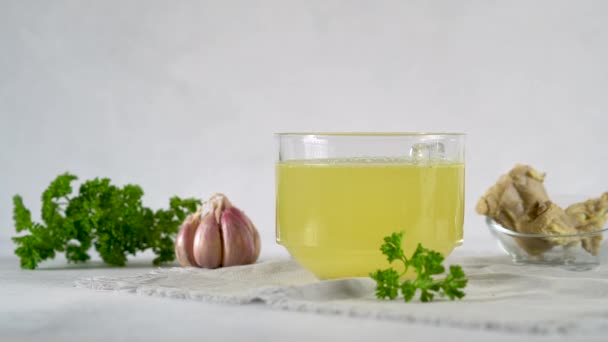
(339, 194)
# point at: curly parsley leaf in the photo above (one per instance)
(426, 263)
(387, 283)
(110, 218)
(391, 247)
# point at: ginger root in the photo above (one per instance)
(589, 216)
(519, 202)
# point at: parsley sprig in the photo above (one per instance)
(110, 218)
(426, 263)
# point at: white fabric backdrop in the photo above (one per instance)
(182, 97)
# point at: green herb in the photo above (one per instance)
(426, 263)
(111, 218)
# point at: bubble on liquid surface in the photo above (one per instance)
(431, 151)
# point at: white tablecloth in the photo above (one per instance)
(44, 305)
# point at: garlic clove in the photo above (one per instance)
(184, 241)
(257, 244)
(246, 222)
(217, 204)
(208, 243)
(238, 240)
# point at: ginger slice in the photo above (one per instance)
(588, 216)
(509, 200)
(519, 202)
(549, 219)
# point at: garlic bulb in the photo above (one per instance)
(219, 234)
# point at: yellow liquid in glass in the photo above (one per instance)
(332, 215)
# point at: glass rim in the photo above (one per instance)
(370, 134)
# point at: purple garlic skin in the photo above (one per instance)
(239, 247)
(244, 221)
(222, 236)
(208, 242)
(184, 241)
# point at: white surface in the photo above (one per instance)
(182, 98)
(517, 295)
(44, 305)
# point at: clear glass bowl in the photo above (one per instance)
(339, 194)
(557, 250)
